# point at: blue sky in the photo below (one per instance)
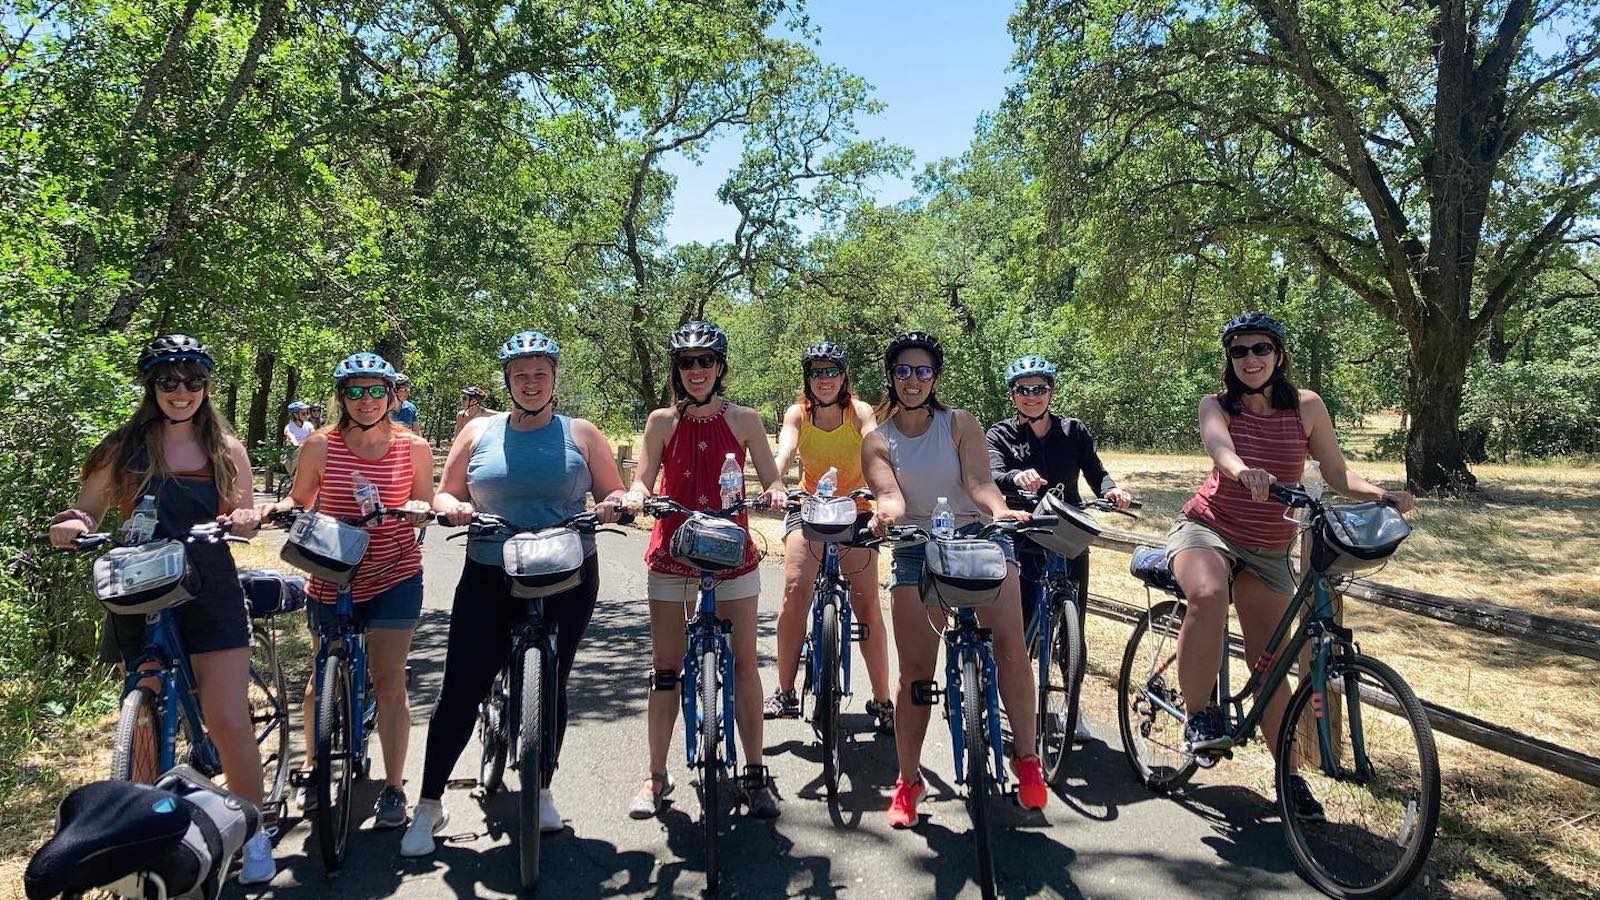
(937, 64)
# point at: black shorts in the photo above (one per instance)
(214, 620)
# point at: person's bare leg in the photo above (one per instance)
(747, 695)
(387, 649)
(916, 643)
(1260, 609)
(861, 567)
(800, 565)
(1012, 666)
(1203, 574)
(223, 680)
(666, 655)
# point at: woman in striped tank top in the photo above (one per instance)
(1257, 430)
(366, 442)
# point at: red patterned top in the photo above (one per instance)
(690, 467)
(393, 554)
(1275, 442)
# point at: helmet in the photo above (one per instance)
(826, 350)
(400, 381)
(525, 344)
(913, 340)
(172, 348)
(364, 365)
(1254, 321)
(298, 406)
(1024, 366)
(474, 391)
(700, 336)
(314, 407)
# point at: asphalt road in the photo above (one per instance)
(1102, 836)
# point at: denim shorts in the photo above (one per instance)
(906, 567)
(397, 608)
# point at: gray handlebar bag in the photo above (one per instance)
(325, 547)
(544, 563)
(145, 579)
(709, 543)
(962, 572)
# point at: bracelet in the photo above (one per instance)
(74, 513)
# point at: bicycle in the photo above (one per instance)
(1358, 856)
(538, 565)
(832, 522)
(269, 594)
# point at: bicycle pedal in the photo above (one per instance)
(859, 632)
(926, 693)
(302, 777)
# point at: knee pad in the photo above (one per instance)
(663, 680)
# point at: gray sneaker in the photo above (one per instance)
(758, 794)
(390, 810)
(648, 801)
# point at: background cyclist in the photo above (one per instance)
(472, 407)
(295, 432)
(405, 412)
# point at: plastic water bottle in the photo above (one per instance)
(1311, 480)
(731, 481)
(141, 526)
(365, 493)
(944, 521)
(828, 483)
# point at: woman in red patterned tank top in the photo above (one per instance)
(1230, 539)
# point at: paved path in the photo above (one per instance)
(1104, 836)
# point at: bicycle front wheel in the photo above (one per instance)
(335, 736)
(530, 762)
(269, 716)
(711, 762)
(980, 784)
(1379, 787)
(492, 736)
(827, 705)
(136, 752)
(1150, 711)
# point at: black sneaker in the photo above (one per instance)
(1206, 731)
(882, 715)
(1304, 804)
(759, 797)
(781, 705)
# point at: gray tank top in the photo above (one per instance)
(927, 468)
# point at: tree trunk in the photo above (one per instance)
(257, 428)
(1435, 456)
(233, 401)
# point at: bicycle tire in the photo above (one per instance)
(1356, 801)
(335, 769)
(530, 763)
(711, 762)
(979, 781)
(827, 697)
(1148, 670)
(269, 716)
(492, 735)
(136, 751)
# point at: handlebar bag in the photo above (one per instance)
(830, 521)
(270, 592)
(145, 579)
(325, 547)
(962, 572)
(543, 563)
(709, 543)
(1071, 535)
(1357, 537)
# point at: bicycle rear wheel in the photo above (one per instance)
(335, 771)
(1058, 691)
(711, 762)
(136, 751)
(1381, 804)
(492, 735)
(827, 702)
(269, 717)
(980, 784)
(530, 762)
(1150, 705)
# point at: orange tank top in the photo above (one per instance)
(838, 448)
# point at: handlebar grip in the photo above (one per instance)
(1041, 522)
(1281, 494)
(1136, 504)
(625, 518)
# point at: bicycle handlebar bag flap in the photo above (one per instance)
(105, 831)
(832, 520)
(544, 563)
(145, 579)
(325, 547)
(1357, 537)
(709, 543)
(220, 825)
(1071, 535)
(270, 592)
(962, 572)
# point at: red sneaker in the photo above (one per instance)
(1031, 788)
(903, 808)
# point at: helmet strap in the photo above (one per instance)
(1029, 420)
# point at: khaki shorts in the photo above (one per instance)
(665, 588)
(1271, 566)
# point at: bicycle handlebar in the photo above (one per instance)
(484, 523)
(658, 506)
(209, 532)
(1098, 503)
(796, 496)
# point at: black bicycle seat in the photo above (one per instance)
(1149, 565)
(105, 831)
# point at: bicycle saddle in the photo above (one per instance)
(1149, 565)
(104, 831)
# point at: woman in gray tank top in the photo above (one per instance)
(921, 452)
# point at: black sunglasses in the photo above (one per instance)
(1259, 348)
(827, 372)
(1031, 390)
(703, 361)
(166, 384)
(903, 372)
(357, 391)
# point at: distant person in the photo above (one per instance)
(314, 416)
(472, 407)
(295, 433)
(406, 412)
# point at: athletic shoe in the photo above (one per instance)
(759, 796)
(903, 808)
(781, 705)
(1031, 789)
(882, 715)
(390, 810)
(259, 866)
(1206, 731)
(647, 802)
(1305, 805)
(549, 819)
(427, 820)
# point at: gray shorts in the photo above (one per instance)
(1271, 566)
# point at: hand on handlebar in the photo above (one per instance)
(457, 514)
(64, 534)
(880, 524)
(606, 512)
(1120, 498)
(1257, 481)
(1404, 501)
(243, 522)
(1014, 515)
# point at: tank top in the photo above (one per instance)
(839, 448)
(392, 554)
(1275, 442)
(690, 467)
(532, 479)
(927, 468)
(184, 500)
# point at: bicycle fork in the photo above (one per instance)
(957, 648)
(699, 643)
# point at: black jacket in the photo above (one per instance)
(1065, 452)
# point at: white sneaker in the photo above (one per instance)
(427, 820)
(549, 818)
(1081, 733)
(259, 866)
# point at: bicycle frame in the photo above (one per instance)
(1053, 576)
(177, 692)
(353, 640)
(963, 639)
(706, 632)
(830, 587)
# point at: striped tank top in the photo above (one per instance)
(1275, 442)
(393, 554)
(838, 448)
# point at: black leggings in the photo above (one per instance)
(1030, 559)
(482, 618)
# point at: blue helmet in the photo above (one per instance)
(525, 344)
(364, 365)
(1024, 366)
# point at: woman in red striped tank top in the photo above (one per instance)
(387, 591)
(1231, 540)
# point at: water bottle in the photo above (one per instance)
(828, 483)
(944, 521)
(141, 526)
(1312, 481)
(365, 493)
(731, 481)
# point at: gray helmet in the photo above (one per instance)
(401, 381)
(700, 336)
(298, 406)
(173, 348)
(526, 344)
(1024, 366)
(1257, 322)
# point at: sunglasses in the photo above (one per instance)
(903, 372)
(1031, 390)
(1259, 348)
(166, 384)
(828, 372)
(703, 361)
(357, 391)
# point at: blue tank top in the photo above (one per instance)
(532, 479)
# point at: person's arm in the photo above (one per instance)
(307, 477)
(240, 509)
(419, 509)
(461, 422)
(453, 498)
(753, 433)
(866, 419)
(602, 461)
(973, 451)
(88, 513)
(1094, 471)
(657, 429)
(1004, 466)
(879, 474)
(1219, 446)
(789, 437)
(1323, 444)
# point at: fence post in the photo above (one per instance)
(624, 456)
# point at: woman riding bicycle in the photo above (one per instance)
(1038, 451)
(177, 449)
(826, 428)
(532, 468)
(924, 451)
(366, 446)
(1257, 430)
(686, 444)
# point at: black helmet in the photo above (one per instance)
(700, 336)
(1255, 321)
(913, 340)
(824, 351)
(474, 391)
(172, 348)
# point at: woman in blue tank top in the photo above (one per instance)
(534, 469)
